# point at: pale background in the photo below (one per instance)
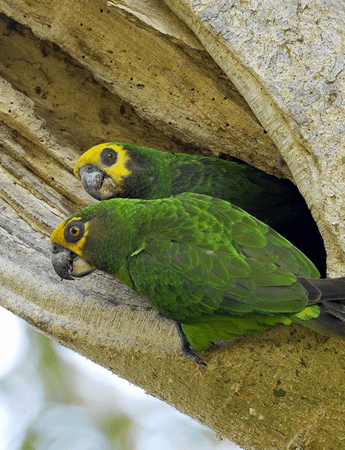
(66, 405)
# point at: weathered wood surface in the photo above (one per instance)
(74, 74)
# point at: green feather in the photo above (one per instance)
(204, 263)
(277, 202)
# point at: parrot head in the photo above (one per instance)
(67, 242)
(103, 170)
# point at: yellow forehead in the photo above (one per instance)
(92, 156)
(58, 237)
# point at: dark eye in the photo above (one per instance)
(111, 156)
(74, 231)
(108, 156)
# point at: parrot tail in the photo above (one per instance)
(329, 293)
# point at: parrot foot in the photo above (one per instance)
(187, 348)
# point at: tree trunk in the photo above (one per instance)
(262, 81)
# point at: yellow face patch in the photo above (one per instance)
(58, 237)
(93, 156)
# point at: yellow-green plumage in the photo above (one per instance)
(130, 171)
(200, 261)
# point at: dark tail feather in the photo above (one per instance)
(331, 320)
(323, 289)
(330, 294)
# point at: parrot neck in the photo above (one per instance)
(112, 236)
(151, 174)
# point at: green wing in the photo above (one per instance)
(222, 263)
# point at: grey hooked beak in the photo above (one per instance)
(68, 265)
(92, 178)
(97, 183)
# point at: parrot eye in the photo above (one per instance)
(74, 231)
(108, 156)
(111, 156)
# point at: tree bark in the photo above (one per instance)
(252, 80)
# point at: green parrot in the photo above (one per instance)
(213, 268)
(120, 170)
